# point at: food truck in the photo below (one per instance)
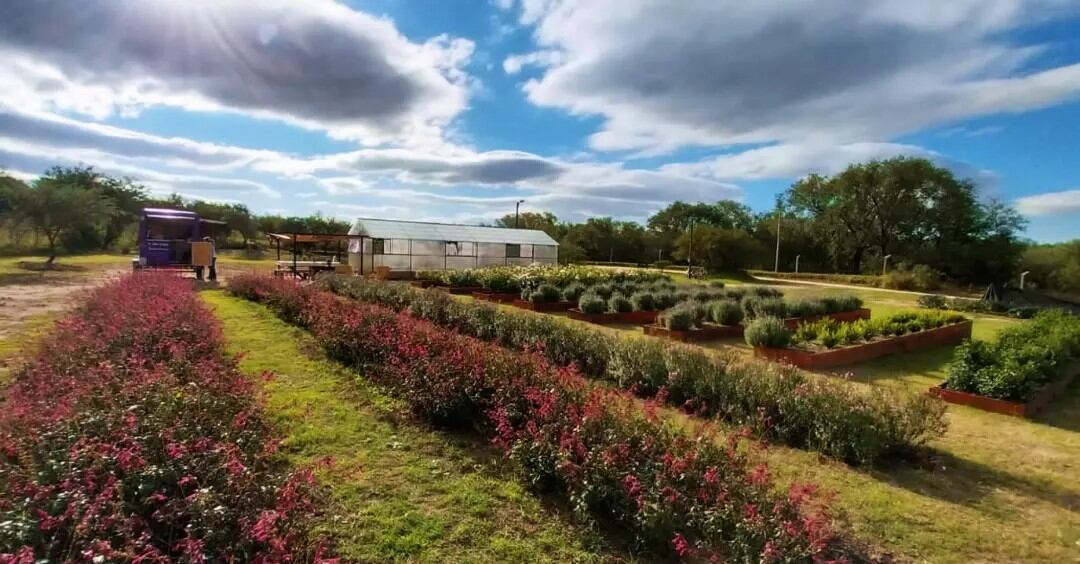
(172, 240)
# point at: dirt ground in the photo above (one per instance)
(28, 306)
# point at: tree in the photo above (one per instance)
(1056, 267)
(12, 190)
(124, 195)
(54, 208)
(912, 209)
(721, 249)
(544, 221)
(670, 223)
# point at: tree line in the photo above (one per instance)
(918, 214)
(80, 209)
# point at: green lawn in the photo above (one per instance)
(400, 492)
(21, 339)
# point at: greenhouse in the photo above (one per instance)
(410, 246)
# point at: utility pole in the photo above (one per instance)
(517, 206)
(797, 263)
(690, 250)
(885, 265)
(779, 214)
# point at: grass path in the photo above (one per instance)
(400, 492)
(995, 488)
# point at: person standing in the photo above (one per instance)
(213, 258)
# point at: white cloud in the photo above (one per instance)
(317, 64)
(514, 63)
(709, 72)
(1050, 204)
(394, 176)
(794, 161)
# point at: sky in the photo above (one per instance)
(455, 110)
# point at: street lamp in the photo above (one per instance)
(517, 205)
(1022, 276)
(797, 263)
(885, 264)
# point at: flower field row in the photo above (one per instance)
(694, 498)
(132, 436)
(830, 416)
(514, 279)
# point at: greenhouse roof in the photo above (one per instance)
(424, 231)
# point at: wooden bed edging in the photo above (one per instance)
(542, 306)
(633, 317)
(931, 338)
(707, 333)
(499, 298)
(841, 316)
(1037, 403)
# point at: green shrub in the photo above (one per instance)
(573, 291)
(933, 301)
(1022, 360)
(768, 332)
(664, 300)
(1023, 312)
(619, 303)
(765, 292)
(756, 306)
(643, 301)
(849, 302)
(735, 293)
(545, 293)
(925, 278)
(702, 295)
(592, 304)
(724, 312)
(462, 278)
(682, 317)
(603, 290)
(805, 307)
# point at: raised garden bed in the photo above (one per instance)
(1030, 408)
(630, 317)
(841, 316)
(931, 338)
(707, 333)
(499, 298)
(542, 306)
(424, 283)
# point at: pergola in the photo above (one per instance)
(305, 268)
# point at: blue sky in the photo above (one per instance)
(454, 110)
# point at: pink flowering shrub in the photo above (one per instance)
(688, 497)
(132, 436)
(837, 418)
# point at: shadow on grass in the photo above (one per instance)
(1064, 411)
(956, 480)
(487, 461)
(34, 266)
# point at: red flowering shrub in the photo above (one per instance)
(837, 418)
(687, 497)
(132, 436)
